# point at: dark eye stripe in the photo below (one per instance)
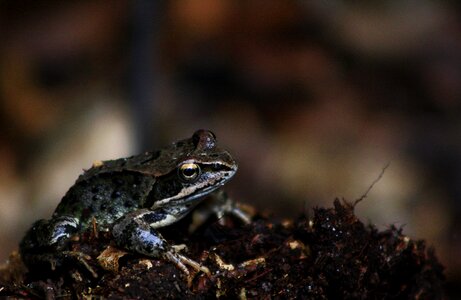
(216, 166)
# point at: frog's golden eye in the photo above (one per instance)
(189, 171)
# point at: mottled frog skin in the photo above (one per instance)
(132, 197)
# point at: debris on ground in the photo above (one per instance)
(332, 255)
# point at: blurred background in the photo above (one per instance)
(313, 98)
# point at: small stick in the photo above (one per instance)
(372, 184)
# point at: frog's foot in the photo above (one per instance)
(238, 213)
(179, 247)
(219, 205)
(181, 261)
(58, 260)
(82, 258)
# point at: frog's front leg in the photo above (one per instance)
(218, 204)
(135, 232)
(224, 205)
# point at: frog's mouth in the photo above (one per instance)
(202, 194)
(190, 194)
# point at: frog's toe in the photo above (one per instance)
(58, 261)
(181, 261)
(224, 205)
(82, 258)
(179, 247)
(47, 260)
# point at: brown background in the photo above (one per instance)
(313, 98)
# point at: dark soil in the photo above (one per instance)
(332, 255)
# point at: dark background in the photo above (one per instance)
(313, 98)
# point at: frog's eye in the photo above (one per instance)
(189, 171)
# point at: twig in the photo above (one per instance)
(372, 184)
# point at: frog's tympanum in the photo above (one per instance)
(133, 197)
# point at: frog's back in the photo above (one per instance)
(105, 196)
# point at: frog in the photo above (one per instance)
(132, 198)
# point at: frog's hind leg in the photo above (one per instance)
(49, 235)
(46, 241)
(135, 232)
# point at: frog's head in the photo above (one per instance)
(190, 169)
